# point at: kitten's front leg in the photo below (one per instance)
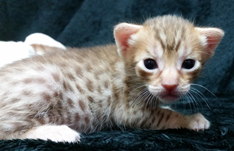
(168, 119)
(197, 122)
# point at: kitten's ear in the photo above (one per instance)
(212, 37)
(122, 33)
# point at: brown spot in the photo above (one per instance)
(67, 86)
(106, 84)
(60, 106)
(89, 85)
(41, 120)
(160, 119)
(116, 93)
(57, 119)
(64, 65)
(100, 103)
(78, 71)
(35, 80)
(51, 118)
(134, 112)
(160, 40)
(104, 117)
(77, 117)
(40, 80)
(80, 59)
(87, 120)
(97, 117)
(178, 45)
(80, 89)
(82, 127)
(158, 112)
(82, 105)
(56, 77)
(153, 119)
(109, 101)
(25, 92)
(64, 85)
(167, 118)
(28, 80)
(127, 106)
(13, 82)
(88, 67)
(144, 123)
(14, 100)
(60, 96)
(70, 102)
(90, 99)
(99, 90)
(46, 97)
(97, 76)
(71, 77)
(56, 94)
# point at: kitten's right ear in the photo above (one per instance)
(123, 33)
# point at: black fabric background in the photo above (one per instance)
(81, 23)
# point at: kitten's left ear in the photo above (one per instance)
(212, 37)
(123, 33)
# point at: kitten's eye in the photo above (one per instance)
(150, 64)
(188, 64)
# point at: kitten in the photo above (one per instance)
(51, 96)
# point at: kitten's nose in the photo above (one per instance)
(170, 87)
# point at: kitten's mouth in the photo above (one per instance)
(169, 98)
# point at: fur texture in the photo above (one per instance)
(95, 88)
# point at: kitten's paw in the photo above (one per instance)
(61, 133)
(198, 122)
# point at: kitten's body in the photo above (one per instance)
(94, 88)
(77, 91)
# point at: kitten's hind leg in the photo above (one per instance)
(56, 133)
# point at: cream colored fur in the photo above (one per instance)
(90, 89)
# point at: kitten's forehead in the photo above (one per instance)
(170, 31)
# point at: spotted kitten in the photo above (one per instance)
(51, 96)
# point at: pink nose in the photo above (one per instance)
(170, 87)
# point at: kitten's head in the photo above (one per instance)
(167, 53)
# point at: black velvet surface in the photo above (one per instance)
(80, 23)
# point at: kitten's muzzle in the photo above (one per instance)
(170, 88)
(170, 93)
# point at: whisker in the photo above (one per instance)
(139, 96)
(151, 100)
(196, 96)
(202, 96)
(138, 87)
(147, 99)
(192, 101)
(204, 88)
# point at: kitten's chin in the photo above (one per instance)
(169, 98)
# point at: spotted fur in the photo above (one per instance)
(50, 96)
